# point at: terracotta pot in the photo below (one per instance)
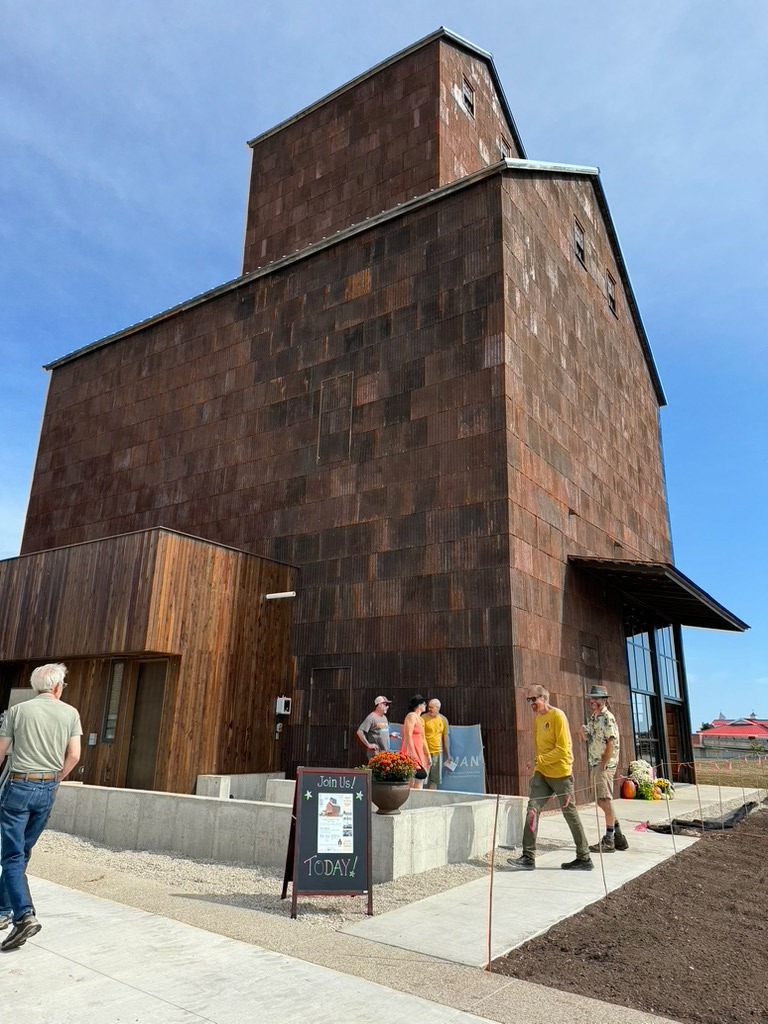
(389, 797)
(628, 790)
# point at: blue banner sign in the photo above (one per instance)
(466, 745)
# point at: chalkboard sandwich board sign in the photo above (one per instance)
(329, 845)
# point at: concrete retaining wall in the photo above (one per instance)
(431, 832)
(205, 828)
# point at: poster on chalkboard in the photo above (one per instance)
(329, 845)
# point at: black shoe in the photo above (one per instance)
(578, 865)
(607, 844)
(620, 841)
(23, 929)
(522, 863)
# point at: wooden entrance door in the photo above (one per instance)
(145, 726)
(328, 726)
(674, 748)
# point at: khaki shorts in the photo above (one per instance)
(435, 770)
(602, 778)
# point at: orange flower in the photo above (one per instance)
(391, 767)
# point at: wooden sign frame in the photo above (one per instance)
(329, 844)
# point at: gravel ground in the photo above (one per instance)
(250, 888)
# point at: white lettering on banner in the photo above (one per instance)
(328, 866)
(469, 762)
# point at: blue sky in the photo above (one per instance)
(124, 175)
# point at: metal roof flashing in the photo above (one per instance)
(662, 592)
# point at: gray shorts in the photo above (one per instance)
(435, 770)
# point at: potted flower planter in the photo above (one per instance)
(391, 774)
(389, 797)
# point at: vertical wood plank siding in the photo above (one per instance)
(158, 594)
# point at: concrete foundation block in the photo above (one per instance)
(219, 786)
(252, 787)
(383, 828)
(280, 791)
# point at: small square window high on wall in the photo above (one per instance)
(468, 97)
(610, 292)
(578, 242)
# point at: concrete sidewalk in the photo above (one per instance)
(98, 962)
(101, 962)
(458, 926)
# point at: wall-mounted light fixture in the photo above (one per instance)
(275, 597)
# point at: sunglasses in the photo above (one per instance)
(532, 700)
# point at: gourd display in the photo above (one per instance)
(628, 790)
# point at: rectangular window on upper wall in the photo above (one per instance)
(112, 706)
(578, 242)
(468, 97)
(641, 716)
(639, 663)
(610, 292)
(668, 663)
(505, 148)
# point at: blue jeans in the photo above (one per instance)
(25, 807)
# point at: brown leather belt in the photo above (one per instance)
(34, 776)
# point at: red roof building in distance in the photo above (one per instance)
(732, 737)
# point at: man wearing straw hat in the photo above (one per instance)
(602, 735)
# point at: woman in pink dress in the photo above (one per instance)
(414, 743)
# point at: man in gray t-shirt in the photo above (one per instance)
(374, 730)
(45, 734)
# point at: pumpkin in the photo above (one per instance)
(656, 793)
(628, 790)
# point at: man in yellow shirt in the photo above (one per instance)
(436, 735)
(552, 776)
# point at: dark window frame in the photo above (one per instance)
(668, 664)
(579, 242)
(468, 96)
(112, 702)
(610, 292)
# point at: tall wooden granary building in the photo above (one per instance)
(428, 406)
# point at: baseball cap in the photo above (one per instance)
(382, 700)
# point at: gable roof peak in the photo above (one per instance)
(439, 33)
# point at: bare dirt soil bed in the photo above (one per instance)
(687, 940)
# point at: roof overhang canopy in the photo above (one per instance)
(657, 594)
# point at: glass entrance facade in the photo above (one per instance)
(657, 696)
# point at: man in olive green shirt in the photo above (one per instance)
(552, 776)
(45, 737)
